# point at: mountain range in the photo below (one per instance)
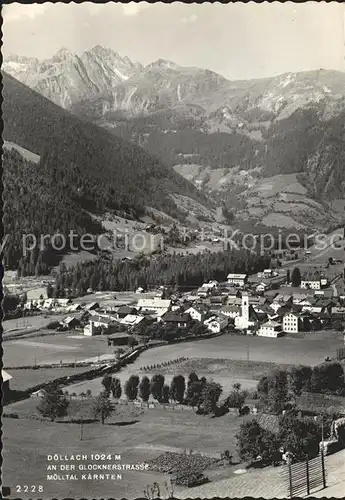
(230, 138)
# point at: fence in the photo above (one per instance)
(341, 353)
(301, 478)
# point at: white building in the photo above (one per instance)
(230, 311)
(237, 279)
(196, 314)
(131, 320)
(243, 322)
(270, 329)
(314, 284)
(154, 304)
(291, 322)
(216, 324)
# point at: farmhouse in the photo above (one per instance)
(124, 311)
(132, 320)
(270, 329)
(196, 313)
(92, 306)
(154, 304)
(216, 324)
(180, 320)
(237, 279)
(70, 322)
(203, 292)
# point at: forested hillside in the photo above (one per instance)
(175, 270)
(39, 199)
(81, 169)
(102, 169)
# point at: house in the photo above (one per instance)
(120, 338)
(70, 322)
(153, 304)
(132, 320)
(180, 320)
(230, 311)
(291, 322)
(218, 299)
(270, 329)
(203, 292)
(92, 306)
(63, 302)
(124, 311)
(38, 394)
(237, 279)
(261, 287)
(196, 313)
(234, 301)
(74, 308)
(49, 303)
(139, 290)
(311, 281)
(6, 377)
(216, 324)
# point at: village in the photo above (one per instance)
(237, 331)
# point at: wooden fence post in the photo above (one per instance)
(307, 472)
(323, 468)
(290, 478)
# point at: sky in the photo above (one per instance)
(236, 40)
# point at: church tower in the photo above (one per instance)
(245, 309)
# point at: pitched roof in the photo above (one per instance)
(176, 317)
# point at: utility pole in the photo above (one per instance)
(81, 429)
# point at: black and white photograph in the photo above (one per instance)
(173, 250)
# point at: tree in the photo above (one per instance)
(156, 386)
(103, 407)
(273, 391)
(165, 394)
(107, 383)
(116, 388)
(298, 436)
(131, 387)
(177, 388)
(296, 277)
(54, 404)
(144, 389)
(327, 378)
(299, 379)
(288, 276)
(236, 397)
(210, 396)
(254, 441)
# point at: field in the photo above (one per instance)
(30, 322)
(137, 438)
(55, 348)
(26, 378)
(225, 359)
